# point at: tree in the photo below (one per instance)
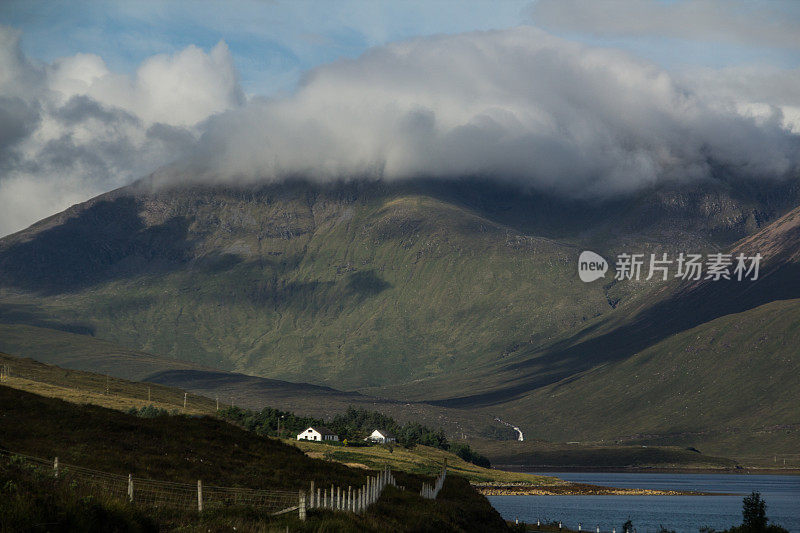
(754, 518)
(754, 512)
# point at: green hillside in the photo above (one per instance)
(329, 286)
(726, 387)
(352, 285)
(711, 365)
(455, 302)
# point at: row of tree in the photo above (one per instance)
(354, 425)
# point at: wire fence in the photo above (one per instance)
(39, 378)
(189, 497)
(166, 494)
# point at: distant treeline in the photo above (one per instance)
(353, 426)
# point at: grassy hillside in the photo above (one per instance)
(725, 387)
(165, 389)
(96, 389)
(184, 449)
(351, 285)
(347, 287)
(706, 364)
(419, 460)
(459, 296)
(82, 387)
(83, 352)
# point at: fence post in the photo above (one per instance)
(349, 498)
(318, 500)
(311, 496)
(338, 498)
(333, 503)
(55, 466)
(185, 394)
(130, 488)
(301, 506)
(199, 496)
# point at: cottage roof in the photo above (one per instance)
(322, 430)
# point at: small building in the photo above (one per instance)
(318, 433)
(381, 436)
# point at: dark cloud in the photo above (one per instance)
(81, 108)
(18, 119)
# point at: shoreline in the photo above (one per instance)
(550, 469)
(577, 489)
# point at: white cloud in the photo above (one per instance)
(760, 91)
(515, 104)
(772, 23)
(179, 90)
(73, 129)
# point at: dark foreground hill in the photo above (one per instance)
(184, 449)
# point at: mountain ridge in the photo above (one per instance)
(430, 291)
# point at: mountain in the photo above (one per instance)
(709, 363)
(462, 294)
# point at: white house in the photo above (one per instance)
(319, 433)
(381, 436)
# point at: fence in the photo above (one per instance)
(166, 494)
(185, 496)
(430, 492)
(74, 385)
(354, 501)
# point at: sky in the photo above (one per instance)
(581, 98)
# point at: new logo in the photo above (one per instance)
(591, 266)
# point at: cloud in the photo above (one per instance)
(516, 104)
(519, 105)
(760, 91)
(732, 21)
(73, 129)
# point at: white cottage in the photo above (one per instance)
(381, 436)
(319, 433)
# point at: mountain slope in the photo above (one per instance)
(713, 364)
(462, 294)
(351, 289)
(352, 285)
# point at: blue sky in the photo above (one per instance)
(273, 43)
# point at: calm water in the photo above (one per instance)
(649, 513)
